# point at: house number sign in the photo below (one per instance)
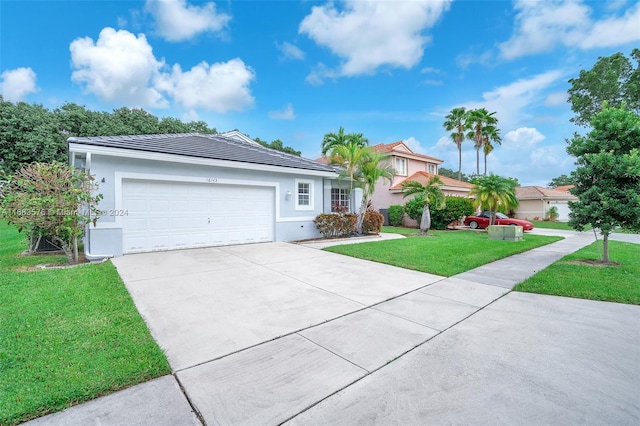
(211, 180)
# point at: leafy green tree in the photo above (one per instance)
(432, 195)
(480, 122)
(607, 177)
(51, 199)
(349, 157)
(493, 191)
(612, 79)
(457, 121)
(28, 133)
(443, 171)
(279, 146)
(561, 180)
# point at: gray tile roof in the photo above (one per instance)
(216, 147)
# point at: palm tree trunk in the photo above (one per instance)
(425, 220)
(459, 161)
(478, 161)
(485, 164)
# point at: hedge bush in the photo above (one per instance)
(335, 224)
(395, 213)
(455, 208)
(372, 222)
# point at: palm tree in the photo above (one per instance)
(433, 197)
(490, 134)
(372, 168)
(332, 140)
(492, 191)
(349, 157)
(479, 119)
(457, 120)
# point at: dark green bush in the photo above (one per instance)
(372, 222)
(455, 208)
(335, 224)
(395, 213)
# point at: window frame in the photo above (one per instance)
(304, 207)
(405, 168)
(343, 195)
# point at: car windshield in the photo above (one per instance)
(501, 216)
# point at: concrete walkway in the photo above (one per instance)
(460, 350)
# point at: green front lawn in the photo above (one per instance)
(399, 230)
(445, 253)
(566, 277)
(552, 225)
(66, 335)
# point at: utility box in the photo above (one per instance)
(505, 232)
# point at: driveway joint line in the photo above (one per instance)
(189, 401)
(332, 352)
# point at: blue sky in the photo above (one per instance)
(295, 70)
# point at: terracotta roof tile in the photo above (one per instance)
(537, 192)
(423, 177)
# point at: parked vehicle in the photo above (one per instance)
(482, 221)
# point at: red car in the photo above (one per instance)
(482, 221)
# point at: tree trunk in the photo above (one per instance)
(605, 248)
(459, 161)
(425, 220)
(74, 243)
(478, 161)
(485, 164)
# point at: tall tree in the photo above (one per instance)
(493, 191)
(477, 121)
(612, 79)
(490, 134)
(561, 180)
(433, 197)
(443, 171)
(349, 157)
(456, 121)
(28, 133)
(607, 177)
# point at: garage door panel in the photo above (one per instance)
(169, 215)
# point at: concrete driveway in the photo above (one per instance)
(206, 303)
(365, 343)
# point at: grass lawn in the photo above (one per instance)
(446, 253)
(399, 230)
(552, 225)
(610, 283)
(66, 335)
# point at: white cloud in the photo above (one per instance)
(445, 142)
(430, 70)
(176, 20)
(290, 51)
(190, 115)
(556, 99)
(369, 34)
(513, 103)
(18, 83)
(121, 68)
(285, 114)
(433, 82)
(540, 25)
(219, 87)
(414, 144)
(522, 138)
(118, 67)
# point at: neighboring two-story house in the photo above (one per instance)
(411, 166)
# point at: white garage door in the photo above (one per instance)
(171, 215)
(563, 209)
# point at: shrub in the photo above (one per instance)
(335, 224)
(553, 214)
(395, 213)
(455, 208)
(372, 222)
(413, 208)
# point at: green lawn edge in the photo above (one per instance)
(605, 283)
(444, 253)
(67, 335)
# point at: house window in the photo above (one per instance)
(339, 197)
(431, 168)
(401, 166)
(304, 194)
